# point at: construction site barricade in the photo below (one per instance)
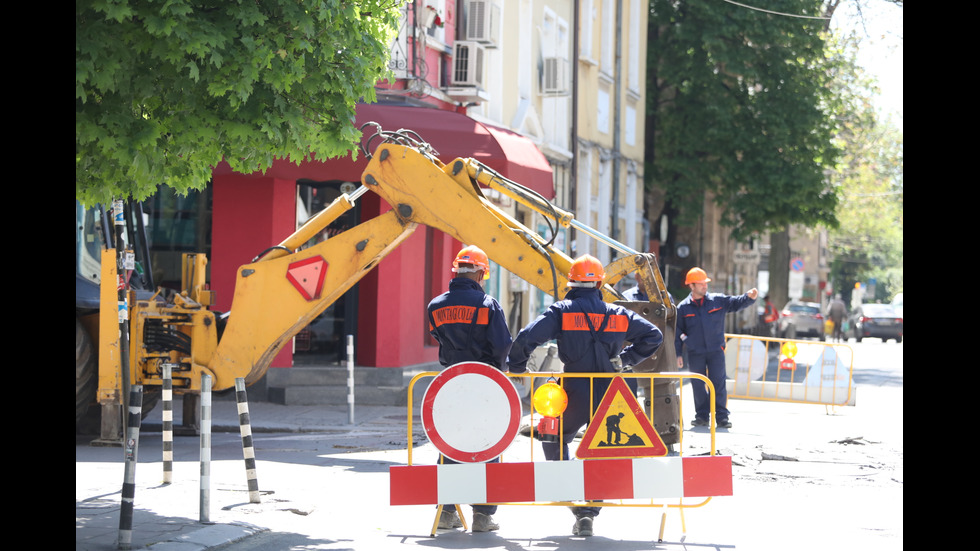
(524, 477)
(790, 370)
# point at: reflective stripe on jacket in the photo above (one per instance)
(586, 344)
(463, 336)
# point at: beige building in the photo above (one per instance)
(610, 81)
(577, 95)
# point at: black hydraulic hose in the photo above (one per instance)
(554, 275)
(263, 253)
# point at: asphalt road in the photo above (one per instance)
(805, 477)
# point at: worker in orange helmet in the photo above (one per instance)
(700, 331)
(470, 326)
(590, 333)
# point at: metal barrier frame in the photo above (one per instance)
(680, 505)
(775, 386)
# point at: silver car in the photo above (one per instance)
(801, 319)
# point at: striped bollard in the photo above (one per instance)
(350, 379)
(129, 483)
(168, 423)
(247, 448)
(205, 501)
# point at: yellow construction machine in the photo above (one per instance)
(179, 330)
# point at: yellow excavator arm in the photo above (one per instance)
(283, 290)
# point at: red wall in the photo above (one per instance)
(249, 215)
(391, 303)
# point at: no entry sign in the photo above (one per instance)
(471, 412)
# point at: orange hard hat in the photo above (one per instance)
(586, 268)
(696, 275)
(472, 255)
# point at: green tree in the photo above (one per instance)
(740, 107)
(164, 91)
(868, 242)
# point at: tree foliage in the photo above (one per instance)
(868, 243)
(741, 108)
(164, 91)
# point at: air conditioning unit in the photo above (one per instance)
(481, 22)
(467, 64)
(555, 77)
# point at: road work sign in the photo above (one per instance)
(620, 428)
(471, 412)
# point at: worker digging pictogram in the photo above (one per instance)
(624, 431)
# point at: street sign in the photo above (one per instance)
(471, 412)
(746, 256)
(796, 264)
(620, 428)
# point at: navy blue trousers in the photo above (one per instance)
(575, 417)
(711, 365)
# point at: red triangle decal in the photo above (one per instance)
(307, 276)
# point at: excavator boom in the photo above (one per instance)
(286, 287)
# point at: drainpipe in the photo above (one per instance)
(573, 179)
(618, 82)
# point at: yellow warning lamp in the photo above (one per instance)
(789, 349)
(549, 401)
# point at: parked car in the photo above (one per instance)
(898, 303)
(801, 319)
(876, 320)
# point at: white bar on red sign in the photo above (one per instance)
(575, 480)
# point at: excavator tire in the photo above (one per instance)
(87, 412)
(86, 374)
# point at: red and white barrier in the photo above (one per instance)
(547, 481)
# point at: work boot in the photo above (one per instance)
(583, 527)
(724, 424)
(699, 422)
(483, 522)
(449, 519)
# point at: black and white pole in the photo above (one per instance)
(248, 450)
(129, 484)
(350, 379)
(205, 448)
(168, 423)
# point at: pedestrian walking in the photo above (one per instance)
(590, 334)
(470, 326)
(836, 311)
(769, 318)
(700, 332)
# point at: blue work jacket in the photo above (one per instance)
(701, 324)
(469, 325)
(634, 294)
(585, 349)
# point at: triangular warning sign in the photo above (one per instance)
(620, 428)
(307, 276)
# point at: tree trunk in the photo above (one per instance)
(779, 268)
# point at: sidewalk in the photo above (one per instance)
(97, 514)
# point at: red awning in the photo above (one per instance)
(451, 134)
